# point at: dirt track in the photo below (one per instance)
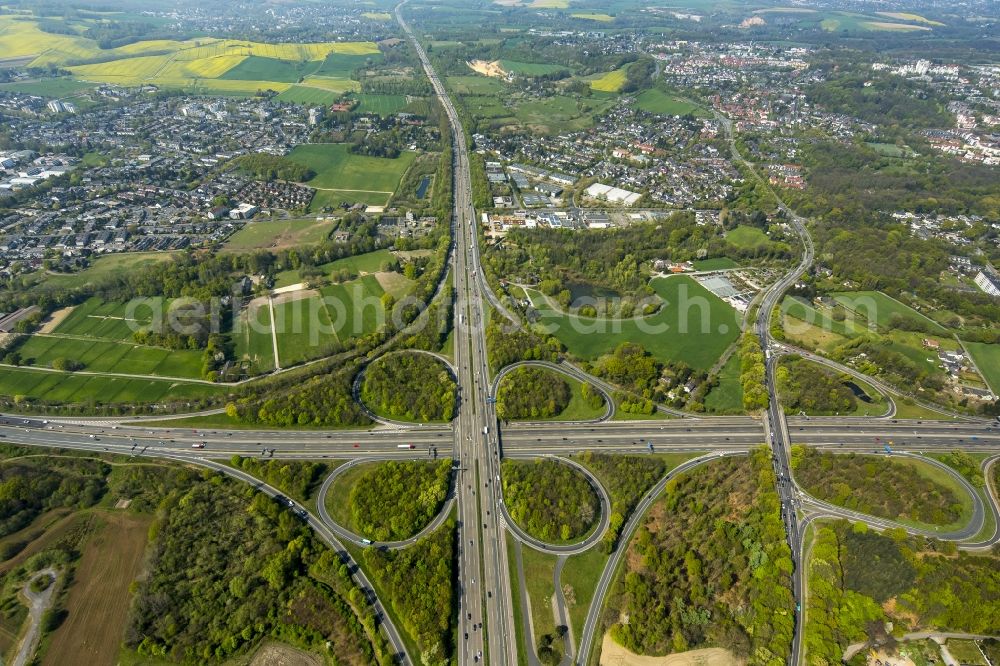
(613, 654)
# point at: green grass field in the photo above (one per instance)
(252, 340)
(694, 326)
(594, 16)
(987, 358)
(71, 388)
(474, 85)
(278, 233)
(257, 68)
(308, 96)
(727, 397)
(305, 329)
(342, 65)
(339, 170)
(876, 306)
(60, 87)
(383, 105)
(747, 237)
(106, 266)
(123, 357)
(715, 264)
(658, 102)
(529, 68)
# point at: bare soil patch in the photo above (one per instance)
(98, 600)
(277, 654)
(613, 654)
(54, 319)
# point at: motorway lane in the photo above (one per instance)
(482, 554)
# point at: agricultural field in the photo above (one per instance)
(224, 66)
(697, 326)
(474, 85)
(258, 68)
(610, 82)
(342, 65)
(658, 102)
(594, 16)
(278, 234)
(340, 172)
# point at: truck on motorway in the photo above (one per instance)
(198, 445)
(486, 430)
(406, 446)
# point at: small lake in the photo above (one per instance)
(858, 392)
(422, 188)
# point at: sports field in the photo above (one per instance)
(693, 326)
(383, 105)
(252, 339)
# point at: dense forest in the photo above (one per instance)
(534, 393)
(411, 387)
(506, 344)
(28, 489)
(807, 387)
(710, 567)
(230, 566)
(420, 582)
(549, 500)
(858, 579)
(626, 478)
(394, 500)
(881, 100)
(876, 485)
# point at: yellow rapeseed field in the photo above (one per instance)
(610, 82)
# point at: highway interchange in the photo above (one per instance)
(477, 441)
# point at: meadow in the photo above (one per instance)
(987, 359)
(658, 102)
(594, 16)
(308, 96)
(697, 326)
(70, 388)
(876, 306)
(340, 171)
(529, 68)
(278, 234)
(747, 237)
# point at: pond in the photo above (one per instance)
(858, 392)
(422, 188)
